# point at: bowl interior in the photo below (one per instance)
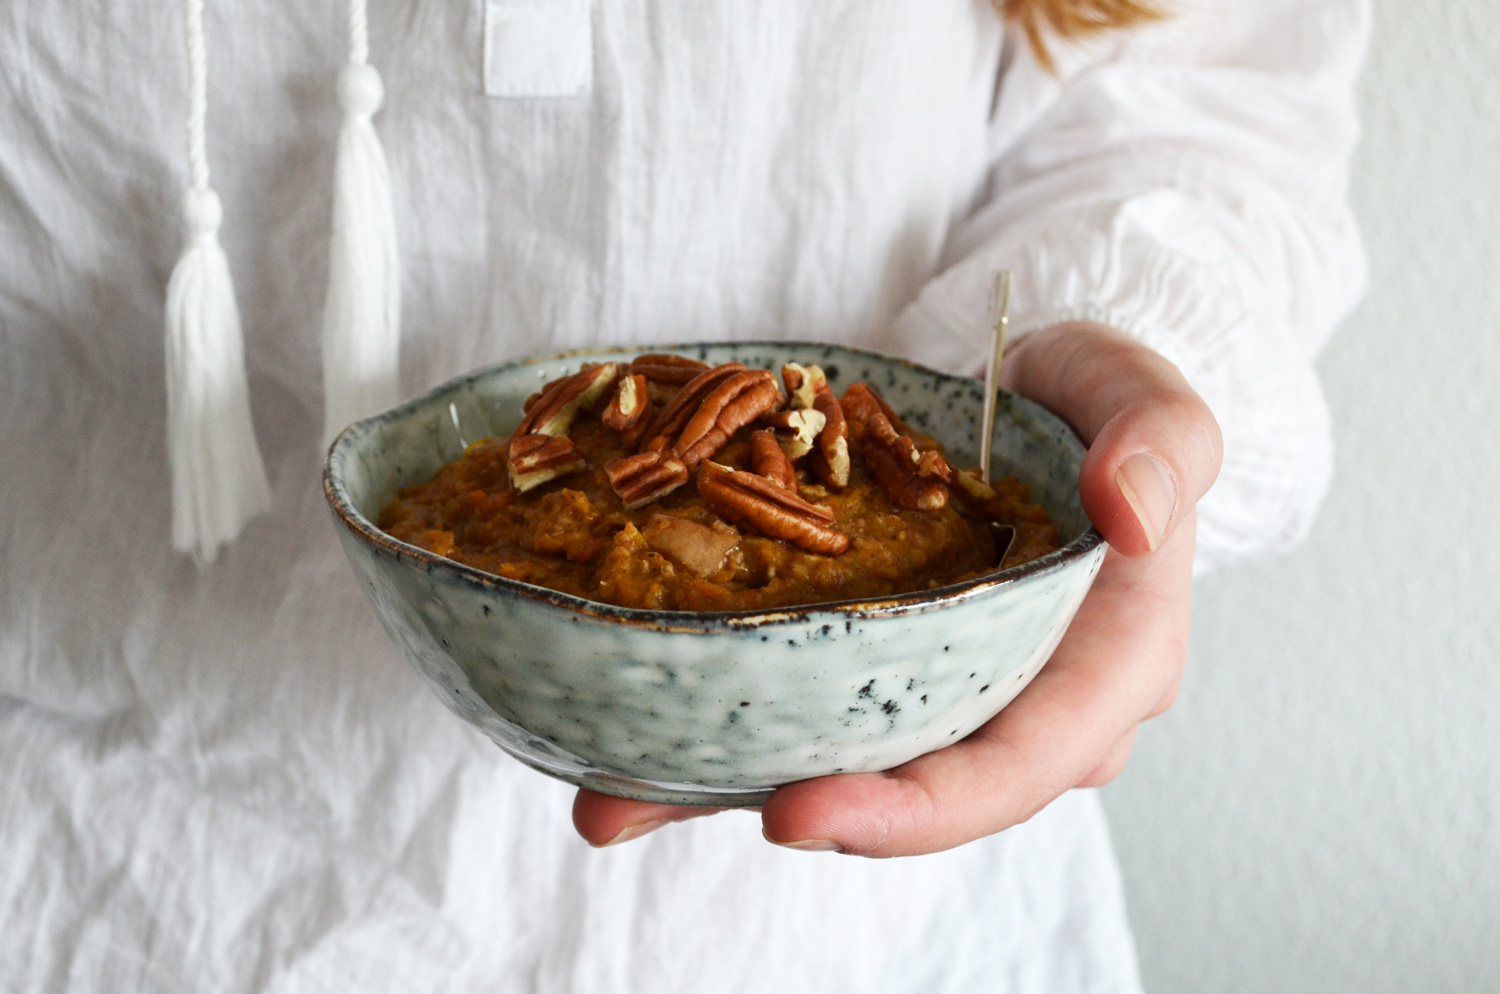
(409, 443)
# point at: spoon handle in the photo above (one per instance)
(999, 320)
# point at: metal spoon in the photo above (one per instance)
(1005, 535)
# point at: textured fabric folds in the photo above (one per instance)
(226, 779)
(1187, 185)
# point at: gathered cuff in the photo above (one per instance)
(1163, 275)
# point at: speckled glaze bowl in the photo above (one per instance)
(713, 708)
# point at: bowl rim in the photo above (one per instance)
(691, 621)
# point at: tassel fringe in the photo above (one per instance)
(218, 480)
(362, 313)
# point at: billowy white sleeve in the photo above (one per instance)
(1187, 184)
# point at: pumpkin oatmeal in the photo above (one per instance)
(668, 484)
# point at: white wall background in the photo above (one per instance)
(1321, 810)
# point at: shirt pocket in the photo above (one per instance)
(538, 48)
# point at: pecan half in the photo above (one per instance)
(754, 502)
(560, 401)
(932, 465)
(795, 430)
(807, 388)
(736, 402)
(535, 459)
(666, 374)
(893, 462)
(670, 419)
(666, 368)
(893, 457)
(646, 476)
(861, 403)
(862, 408)
(833, 441)
(770, 461)
(802, 384)
(629, 410)
(587, 367)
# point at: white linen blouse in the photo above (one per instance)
(225, 779)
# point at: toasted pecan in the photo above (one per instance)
(933, 465)
(862, 407)
(755, 502)
(802, 384)
(863, 398)
(726, 409)
(670, 419)
(770, 461)
(629, 410)
(532, 460)
(666, 374)
(662, 367)
(558, 405)
(795, 430)
(550, 384)
(892, 456)
(893, 462)
(833, 441)
(645, 477)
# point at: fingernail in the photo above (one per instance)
(808, 845)
(634, 832)
(1151, 493)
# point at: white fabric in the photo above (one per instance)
(1188, 185)
(538, 49)
(224, 779)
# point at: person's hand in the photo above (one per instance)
(1154, 450)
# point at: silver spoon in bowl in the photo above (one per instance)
(1004, 535)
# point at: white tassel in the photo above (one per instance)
(218, 480)
(362, 313)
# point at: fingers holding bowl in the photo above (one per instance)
(603, 820)
(1154, 446)
(1114, 761)
(1153, 450)
(1072, 726)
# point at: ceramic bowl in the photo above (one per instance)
(713, 708)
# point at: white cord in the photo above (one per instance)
(218, 479)
(359, 32)
(197, 98)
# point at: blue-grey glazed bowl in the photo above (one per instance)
(713, 708)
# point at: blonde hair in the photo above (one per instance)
(1070, 19)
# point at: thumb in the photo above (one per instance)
(1154, 447)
